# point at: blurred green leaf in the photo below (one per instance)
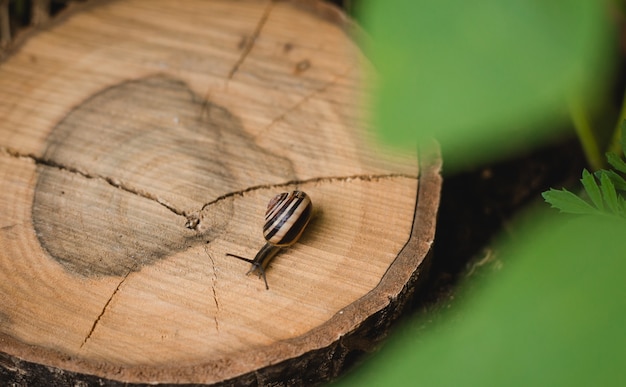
(478, 75)
(554, 316)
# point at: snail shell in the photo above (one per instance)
(286, 217)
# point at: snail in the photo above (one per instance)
(286, 216)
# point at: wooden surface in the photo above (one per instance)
(140, 142)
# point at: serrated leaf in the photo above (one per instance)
(616, 162)
(618, 181)
(591, 186)
(565, 201)
(608, 193)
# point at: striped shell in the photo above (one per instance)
(286, 217)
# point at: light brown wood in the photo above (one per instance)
(140, 142)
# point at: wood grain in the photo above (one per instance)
(140, 142)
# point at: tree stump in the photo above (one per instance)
(141, 141)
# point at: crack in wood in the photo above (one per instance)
(323, 179)
(193, 219)
(10, 226)
(109, 180)
(104, 309)
(213, 288)
(250, 42)
(247, 45)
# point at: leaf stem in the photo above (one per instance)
(585, 134)
(615, 145)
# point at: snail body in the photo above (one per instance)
(286, 217)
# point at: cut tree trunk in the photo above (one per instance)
(140, 142)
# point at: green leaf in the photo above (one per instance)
(608, 193)
(554, 316)
(618, 181)
(565, 201)
(481, 78)
(591, 186)
(616, 162)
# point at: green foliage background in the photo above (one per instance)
(482, 77)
